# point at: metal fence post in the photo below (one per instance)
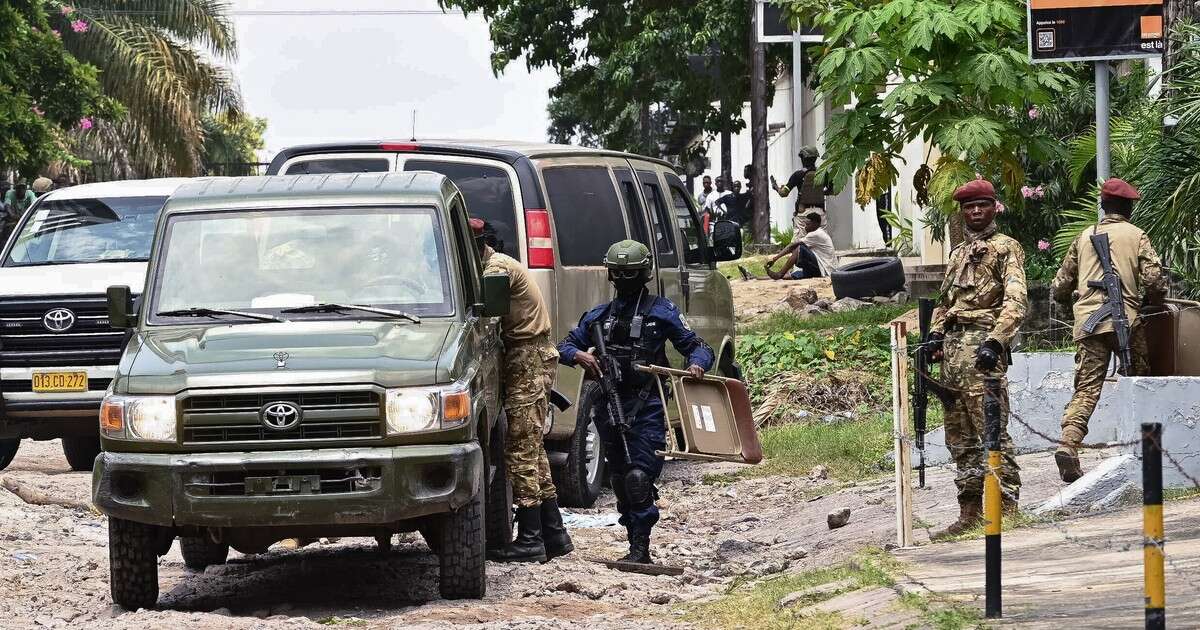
(1152, 526)
(991, 497)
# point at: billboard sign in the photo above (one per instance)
(773, 27)
(1093, 30)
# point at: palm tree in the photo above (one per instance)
(161, 61)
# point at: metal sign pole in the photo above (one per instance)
(1102, 142)
(797, 94)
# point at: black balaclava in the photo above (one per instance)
(629, 289)
(1117, 205)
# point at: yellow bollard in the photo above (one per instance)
(1152, 526)
(992, 501)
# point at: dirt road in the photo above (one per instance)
(54, 560)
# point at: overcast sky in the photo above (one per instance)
(342, 77)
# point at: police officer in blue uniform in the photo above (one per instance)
(636, 326)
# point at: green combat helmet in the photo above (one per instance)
(628, 265)
(809, 152)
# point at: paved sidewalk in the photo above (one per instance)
(1084, 572)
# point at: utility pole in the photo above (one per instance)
(1102, 142)
(758, 132)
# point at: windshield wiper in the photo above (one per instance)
(326, 307)
(200, 311)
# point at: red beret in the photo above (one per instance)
(476, 226)
(978, 189)
(1119, 188)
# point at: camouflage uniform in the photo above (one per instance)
(982, 297)
(1136, 262)
(530, 361)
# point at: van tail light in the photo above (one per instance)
(537, 231)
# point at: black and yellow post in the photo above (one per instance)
(991, 497)
(1152, 526)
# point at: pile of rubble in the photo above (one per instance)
(805, 301)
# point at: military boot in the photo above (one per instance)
(639, 549)
(970, 514)
(558, 541)
(528, 546)
(1068, 463)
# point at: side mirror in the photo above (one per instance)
(121, 313)
(496, 296)
(727, 241)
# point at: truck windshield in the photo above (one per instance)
(270, 261)
(65, 231)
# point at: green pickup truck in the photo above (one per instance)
(311, 356)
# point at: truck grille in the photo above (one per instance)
(327, 415)
(236, 483)
(26, 385)
(25, 340)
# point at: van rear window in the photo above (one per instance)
(489, 195)
(325, 166)
(587, 213)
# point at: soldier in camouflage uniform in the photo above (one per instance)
(983, 301)
(1142, 278)
(530, 360)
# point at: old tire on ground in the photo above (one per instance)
(81, 452)
(199, 552)
(8, 450)
(133, 563)
(463, 563)
(867, 278)
(578, 480)
(497, 501)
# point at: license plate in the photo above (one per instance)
(60, 382)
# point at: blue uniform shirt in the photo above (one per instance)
(663, 322)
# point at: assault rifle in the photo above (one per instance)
(1113, 307)
(610, 373)
(921, 385)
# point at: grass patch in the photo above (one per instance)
(851, 449)
(1180, 494)
(785, 321)
(1007, 523)
(755, 605)
(756, 265)
(944, 615)
(342, 621)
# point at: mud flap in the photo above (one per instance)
(715, 417)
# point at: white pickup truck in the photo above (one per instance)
(57, 352)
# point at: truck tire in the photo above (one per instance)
(578, 480)
(81, 452)
(133, 563)
(8, 450)
(431, 531)
(199, 552)
(462, 559)
(868, 278)
(497, 501)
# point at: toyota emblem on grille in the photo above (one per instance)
(280, 416)
(58, 320)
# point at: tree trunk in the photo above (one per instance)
(726, 156)
(758, 133)
(647, 138)
(1173, 12)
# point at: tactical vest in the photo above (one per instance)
(811, 195)
(625, 340)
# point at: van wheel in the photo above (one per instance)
(578, 480)
(462, 560)
(133, 563)
(431, 531)
(199, 552)
(8, 450)
(81, 452)
(498, 515)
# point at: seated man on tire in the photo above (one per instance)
(636, 327)
(811, 254)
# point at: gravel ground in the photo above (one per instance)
(54, 560)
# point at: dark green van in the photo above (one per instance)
(310, 356)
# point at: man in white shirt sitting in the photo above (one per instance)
(811, 254)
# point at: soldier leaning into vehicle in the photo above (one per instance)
(529, 366)
(636, 326)
(983, 301)
(1136, 263)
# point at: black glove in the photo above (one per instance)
(988, 356)
(934, 346)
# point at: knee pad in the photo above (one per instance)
(617, 480)
(640, 488)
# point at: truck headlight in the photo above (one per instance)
(146, 418)
(415, 409)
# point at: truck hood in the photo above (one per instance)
(74, 279)
(390, 354)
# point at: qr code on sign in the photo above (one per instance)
(1045, 40)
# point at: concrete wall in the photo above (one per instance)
(1041, 385)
